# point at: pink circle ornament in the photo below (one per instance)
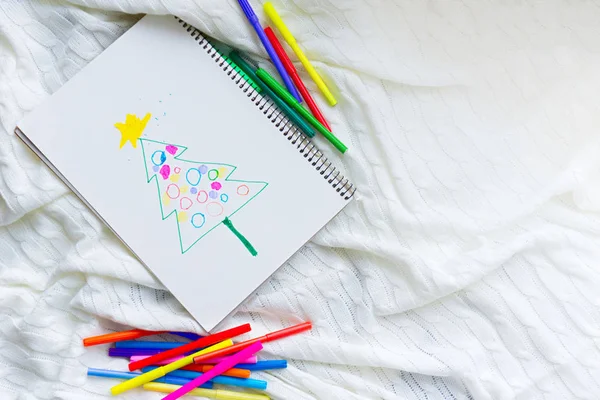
(243, 190)
(214, 209)
(185, 203)
(202, 197)
(173, 191)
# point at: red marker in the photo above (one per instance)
(186, 348)
(118, 336)
(291, 70)
(292, 330)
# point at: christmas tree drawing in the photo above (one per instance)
(199, 195)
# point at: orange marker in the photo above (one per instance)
(119, 336)
(235, 372)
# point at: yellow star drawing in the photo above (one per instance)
(131, 129)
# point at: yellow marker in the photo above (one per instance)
(162, 371)
(287, 35)
(210, 393)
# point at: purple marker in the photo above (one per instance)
(129, 352)
(113, 352)
(269, 47)
(188, 335)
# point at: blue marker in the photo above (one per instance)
(187, 335)
(172, 380)
(264, 365)
(221, 380)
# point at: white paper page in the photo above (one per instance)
(158, 68)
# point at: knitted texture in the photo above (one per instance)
(466, 267)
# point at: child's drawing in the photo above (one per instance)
(200, 194)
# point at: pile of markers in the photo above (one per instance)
(289, 96)
(194, 367)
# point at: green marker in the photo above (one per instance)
(248, 73)
(291, 101)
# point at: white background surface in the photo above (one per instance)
(468, 267)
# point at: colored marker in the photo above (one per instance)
(221, 380)
(211, 394)
(187, 335)
(289, 67)
(236, 372)
(281, 92)
(248, 70)
(191, 346)
(114, 352)
(233, 372)
(263, 38)
(264, 365)
(174, 380)
(134, 344)
(289, 38)
(292, 330)
(162, 371)
(248, 361)
(217, 370)
(118, 336)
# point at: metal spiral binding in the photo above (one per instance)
(304, 145)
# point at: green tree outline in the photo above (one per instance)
(177, 157)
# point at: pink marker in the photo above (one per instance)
(249, 360)
(216, 360)
(218, 369)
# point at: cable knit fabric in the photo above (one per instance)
(466, 267)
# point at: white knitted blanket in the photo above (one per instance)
(467, 267)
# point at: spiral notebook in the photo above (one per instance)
(202, 177)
